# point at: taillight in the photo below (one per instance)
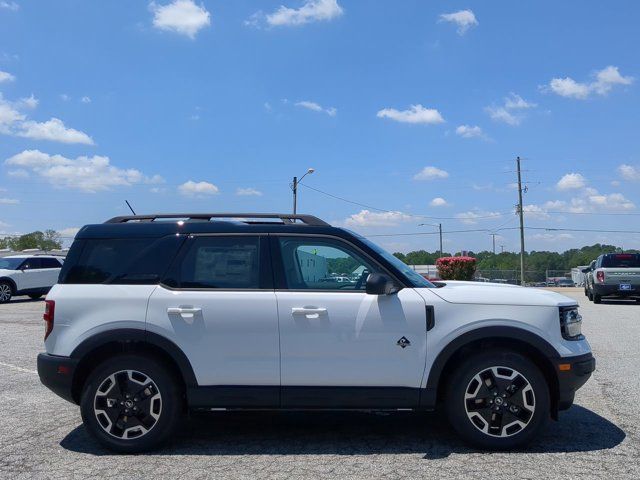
(600, 276)
(49, 313)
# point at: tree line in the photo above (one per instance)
(47, 240)
(534, 260)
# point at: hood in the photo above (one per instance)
(499, 294)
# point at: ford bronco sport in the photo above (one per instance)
(155, 316)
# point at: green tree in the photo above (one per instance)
(47, 240)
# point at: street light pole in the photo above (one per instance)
(294, 188)
(439, 231)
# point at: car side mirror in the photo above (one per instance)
(380, 284)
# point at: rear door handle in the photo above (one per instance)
(308, 310)
(183, 310)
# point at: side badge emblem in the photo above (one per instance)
(403, 342)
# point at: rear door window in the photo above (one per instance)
(219, 262)
(50, 263)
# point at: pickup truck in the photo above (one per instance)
(614, 275)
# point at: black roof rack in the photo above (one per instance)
(285, 218)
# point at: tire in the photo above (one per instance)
(590, 296)
(522, 413)
(35, 296)
(6, 292)
(596, 298)
(153, 408)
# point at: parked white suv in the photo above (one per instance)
(31, 275)
(155, 316)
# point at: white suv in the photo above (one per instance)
(155, 316)
(31, 275)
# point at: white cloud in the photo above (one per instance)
(551, 237)
(310, 11)
(64, 97)
(468, 131)
(9, 116)
(198, 189)
(415, 114)
(9, 201)
(6, 77)
(366, 218)
(69, 232)
(612, 201)
(54, 130)
(536, 212)
(430, 173)
(85, 99)
(511, 110)
(603, 83)
(629, 172)
(316, 107)
(513, 101)
(180, 16)
(19, 173)
(464, 19)
(473, 216)
(30, 102)
(247, 192)
(87, 174)
(571, 181)
(554, 205)
(439, 202)
(13, 122)
(7, 5)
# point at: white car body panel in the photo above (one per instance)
(354, 342)
(86, 310)
(233, 340)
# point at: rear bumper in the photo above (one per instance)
(573, 373)
(614, 290)
(56, 373)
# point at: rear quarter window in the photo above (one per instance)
(127, 261)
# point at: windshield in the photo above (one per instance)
(417, 280)
(10, 263)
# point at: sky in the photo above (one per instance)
(410, 112)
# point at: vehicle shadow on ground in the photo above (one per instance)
(353, 433)
(26, 300)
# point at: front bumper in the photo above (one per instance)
(573, 373)
(56, 373)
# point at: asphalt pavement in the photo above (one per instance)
(41, 435)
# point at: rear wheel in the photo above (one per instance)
(498, 400)
(596, 298)
(590, 296)
(35, 296)
(131, 403)
(6, 292)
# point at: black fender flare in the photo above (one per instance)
(429, 395)
(133, 335)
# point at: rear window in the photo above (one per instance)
(621, 260)
(119, 261)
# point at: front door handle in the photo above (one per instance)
(186, 311)
(308, 311)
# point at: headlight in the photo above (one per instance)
(571, 323)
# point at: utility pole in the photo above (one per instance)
(493, 236)
(521, 213)
(501, 248)
(440, 230)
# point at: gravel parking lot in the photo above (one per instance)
(41, 435)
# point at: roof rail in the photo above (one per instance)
(248, 218)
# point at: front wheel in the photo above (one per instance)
(498, 400)
(6, 292)
(131, 403)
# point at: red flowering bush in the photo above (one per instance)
(456, 268)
